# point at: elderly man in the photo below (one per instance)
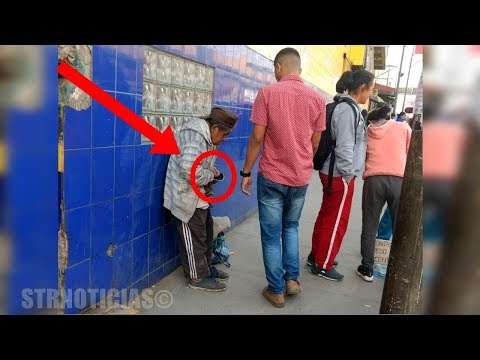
(191, 214)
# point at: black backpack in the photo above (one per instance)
(327, 144)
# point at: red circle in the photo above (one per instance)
(232, 169)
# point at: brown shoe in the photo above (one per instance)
(277, 300)
(293, 287)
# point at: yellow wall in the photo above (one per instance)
(60, 157)
(3, 157)
(357, 54)
(322, 65)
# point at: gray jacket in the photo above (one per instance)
(349, 156)
(193, 140)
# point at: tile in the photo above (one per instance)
(156, 208)
(168, 217)
(218, 209)
(178, 261)
(243, 59)
(243, 146)
(236, 58)
(126, 69)
(124, 133)
(159, 170)
(220, 88)
(123, 209)
(139, 112)
(102, 270)
(104, 58)
(234, 90)
(77, 281)
(77, 132)
(156, 252)
(202, 53)
(77, 178)
(245, 122)
(141, 213)
(139, 258)
(237, 154)
(78, 234)
(139, 63)
(177, 49)
(241, 90)
(124, 168)
(163, 47)
(156, 276)
(170, 237)
(249, 68)
(229, 53)
(190, 51)
(137, 287)
(143, 168)
(220, 56)
(210, 55)
(103, 125)
(170, 266)
(101, 227)
(102, 174)
(122, 266)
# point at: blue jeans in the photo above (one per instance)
(385, 227)
(279, 207)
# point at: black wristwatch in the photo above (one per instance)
(244, 174)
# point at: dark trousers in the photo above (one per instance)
(376, 191)
(195, 240)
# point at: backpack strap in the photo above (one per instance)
(357, 117)
(332, 156)
(330, 172)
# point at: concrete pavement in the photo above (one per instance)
(247, 276)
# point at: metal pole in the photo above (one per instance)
(408, 76)
(398, 81)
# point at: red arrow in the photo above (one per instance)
(164, 143)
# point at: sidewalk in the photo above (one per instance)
(247, 277)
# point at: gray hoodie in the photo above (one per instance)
(193, 140)
(349, 156)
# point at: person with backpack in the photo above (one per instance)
(387, 149)
(288, 118)
(339, 159)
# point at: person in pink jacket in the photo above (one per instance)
(387, 148)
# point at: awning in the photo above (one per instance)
(384, 90)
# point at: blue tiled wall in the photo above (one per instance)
(32, 193)
(114, 189)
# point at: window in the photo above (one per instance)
(174, 90)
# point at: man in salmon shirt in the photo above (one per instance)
(288, 118)
(387, 149)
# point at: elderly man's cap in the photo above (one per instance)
(223, 116)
